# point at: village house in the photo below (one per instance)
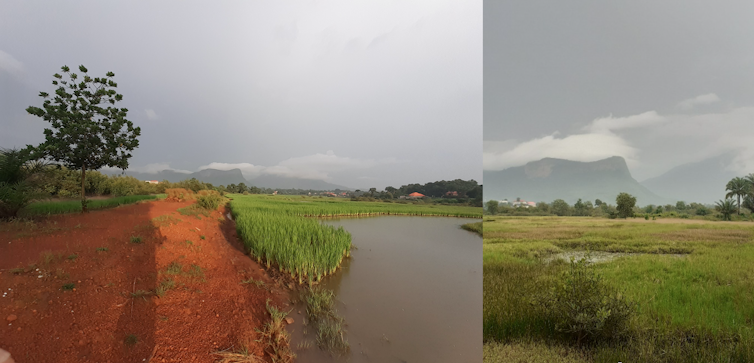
(524, 204)
(415, 195)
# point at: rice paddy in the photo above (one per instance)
(282, 230)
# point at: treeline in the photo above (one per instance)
(598, 208)
(445, 192)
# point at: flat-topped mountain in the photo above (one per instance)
(548, 179)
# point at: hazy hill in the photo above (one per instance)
(214, 176)
(549, 179)
(234, 176)
(280, 182)
(701, 182)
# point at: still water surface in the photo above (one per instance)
(411, 292)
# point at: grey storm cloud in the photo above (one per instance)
(659, 83)
(362, 94)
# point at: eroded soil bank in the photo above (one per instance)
(84, 288)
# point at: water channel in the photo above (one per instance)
(411, 292)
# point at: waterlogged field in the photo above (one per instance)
(280, 229)
(72, 206)
(692, 283)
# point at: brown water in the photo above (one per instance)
(411, 292)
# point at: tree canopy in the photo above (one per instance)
(88, 131)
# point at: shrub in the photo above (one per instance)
(179, 194)
(13, 197)
(209, 199)
(583, 306)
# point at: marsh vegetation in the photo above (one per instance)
(674, 290)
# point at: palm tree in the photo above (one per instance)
(726, 208)
(737, 187)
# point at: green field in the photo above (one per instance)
(692, 283)
(282, 230)
(71, 206)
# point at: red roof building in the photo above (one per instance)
(416, 195)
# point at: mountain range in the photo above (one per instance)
(234, 176)
(701, 182)
(549, 179)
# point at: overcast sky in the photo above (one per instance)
(362, 94)
(660, 83)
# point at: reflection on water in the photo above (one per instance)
(412, 292)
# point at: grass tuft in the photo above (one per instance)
(320, 308)
(275, 337)
(174, 268)
(131, 339)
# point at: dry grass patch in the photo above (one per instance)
(530, 352)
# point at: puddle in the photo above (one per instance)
(412, 292)
(599, 256)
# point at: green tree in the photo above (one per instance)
(737, 187)
(492, 207)
(625, 205)
(726, 207)
(680, 205)
(560, 207)
(87, 132)
(580, 208)
(597, 202)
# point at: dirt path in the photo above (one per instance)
(81, 288)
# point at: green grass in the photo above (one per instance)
(136, 239)
(164, 287)
(102, 249)
(320, 309)
(69, 286)
(692, 282)
(165, 220)
(473, 227)
(72, 206)
(280, 230)
(174, 268)
(194, 210)
(258, 283)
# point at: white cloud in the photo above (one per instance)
(316, 166)
(10, 64)
(609, 124)
(665, 141)
(151, 114)
(582, 147)
(707, 99)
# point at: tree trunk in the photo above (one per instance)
(83, 190)
(739, 204)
